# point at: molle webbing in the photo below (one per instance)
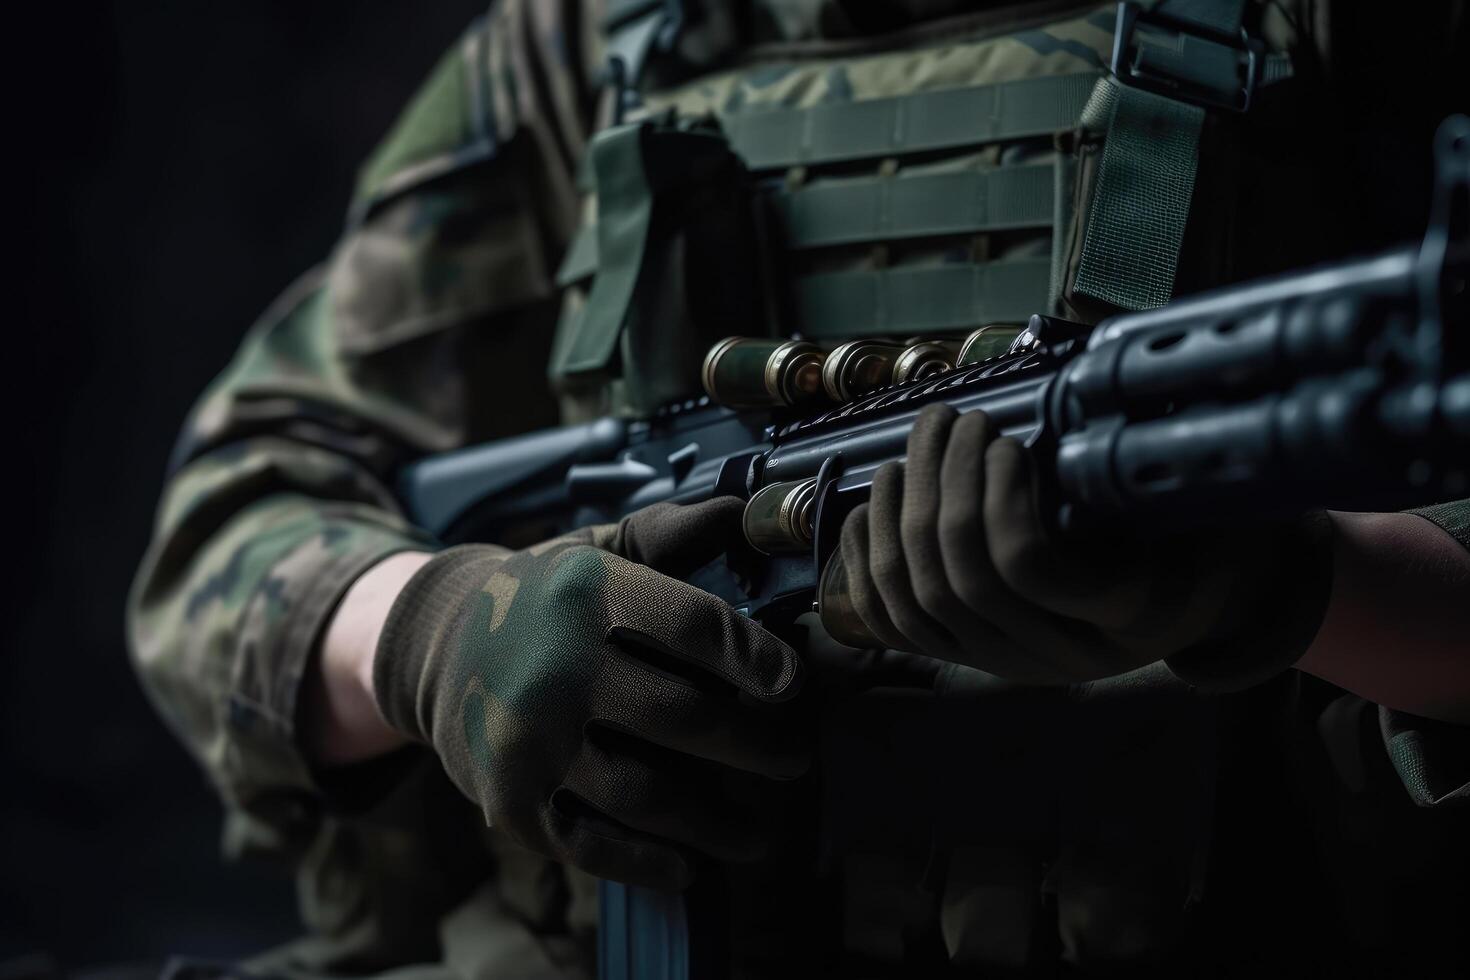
(878, 209)
(901, 301)
(875, 209)
(947, 119)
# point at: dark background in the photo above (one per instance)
(180, 164)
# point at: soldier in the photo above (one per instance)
(604, 718)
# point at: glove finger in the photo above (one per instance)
(862, 591)
(890, 570)
(1192, 585)
(584, 839)
(673, 619)
(1153, 599)
(676, 539)
(661, 797)
(932, 439)
(1024, 642)
(672, 713)
(1105, 587)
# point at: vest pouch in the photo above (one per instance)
(676, 266)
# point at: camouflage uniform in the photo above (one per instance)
(419, 335)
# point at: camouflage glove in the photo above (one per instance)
(950, 558)
(589, 703)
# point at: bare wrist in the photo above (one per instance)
(340, 722)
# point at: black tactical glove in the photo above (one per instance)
(589, 703)
(950, 558)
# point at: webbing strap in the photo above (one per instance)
(1145, 180)
(580, 261)
(776, 139)
(627, 205)
(873, 209)
(903, 301)
(876, 209)
(1141, 201)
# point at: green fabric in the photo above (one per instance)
(950, 558)
(580, 262)
(676, 241)
(440, 120)
(626, 207)
(776, 139)
(1141, 202)
(587, 702)
(904, 301)
(872, 209)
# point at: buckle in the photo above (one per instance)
(1185, 60)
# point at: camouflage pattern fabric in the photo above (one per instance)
(281, 495)
(550, 682)
(418, 335)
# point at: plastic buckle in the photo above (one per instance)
(1185, 61)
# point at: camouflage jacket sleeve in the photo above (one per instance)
(427, 328)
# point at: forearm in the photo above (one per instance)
(340, 722)
(1396, 627)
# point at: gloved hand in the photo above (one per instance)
(587, 702)
(950, 558)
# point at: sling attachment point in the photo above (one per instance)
(1196, 52)
(1171, 64)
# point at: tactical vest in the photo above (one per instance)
(951, 176)
(920, 185)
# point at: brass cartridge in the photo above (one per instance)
(925, 360)
(858, 367)
(778, 519)
(794, 373)
(757, 372)
(989, 341)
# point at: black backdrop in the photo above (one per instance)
(180, 164)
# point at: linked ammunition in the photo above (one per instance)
(757, 372)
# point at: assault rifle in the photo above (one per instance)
(1345, 386)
